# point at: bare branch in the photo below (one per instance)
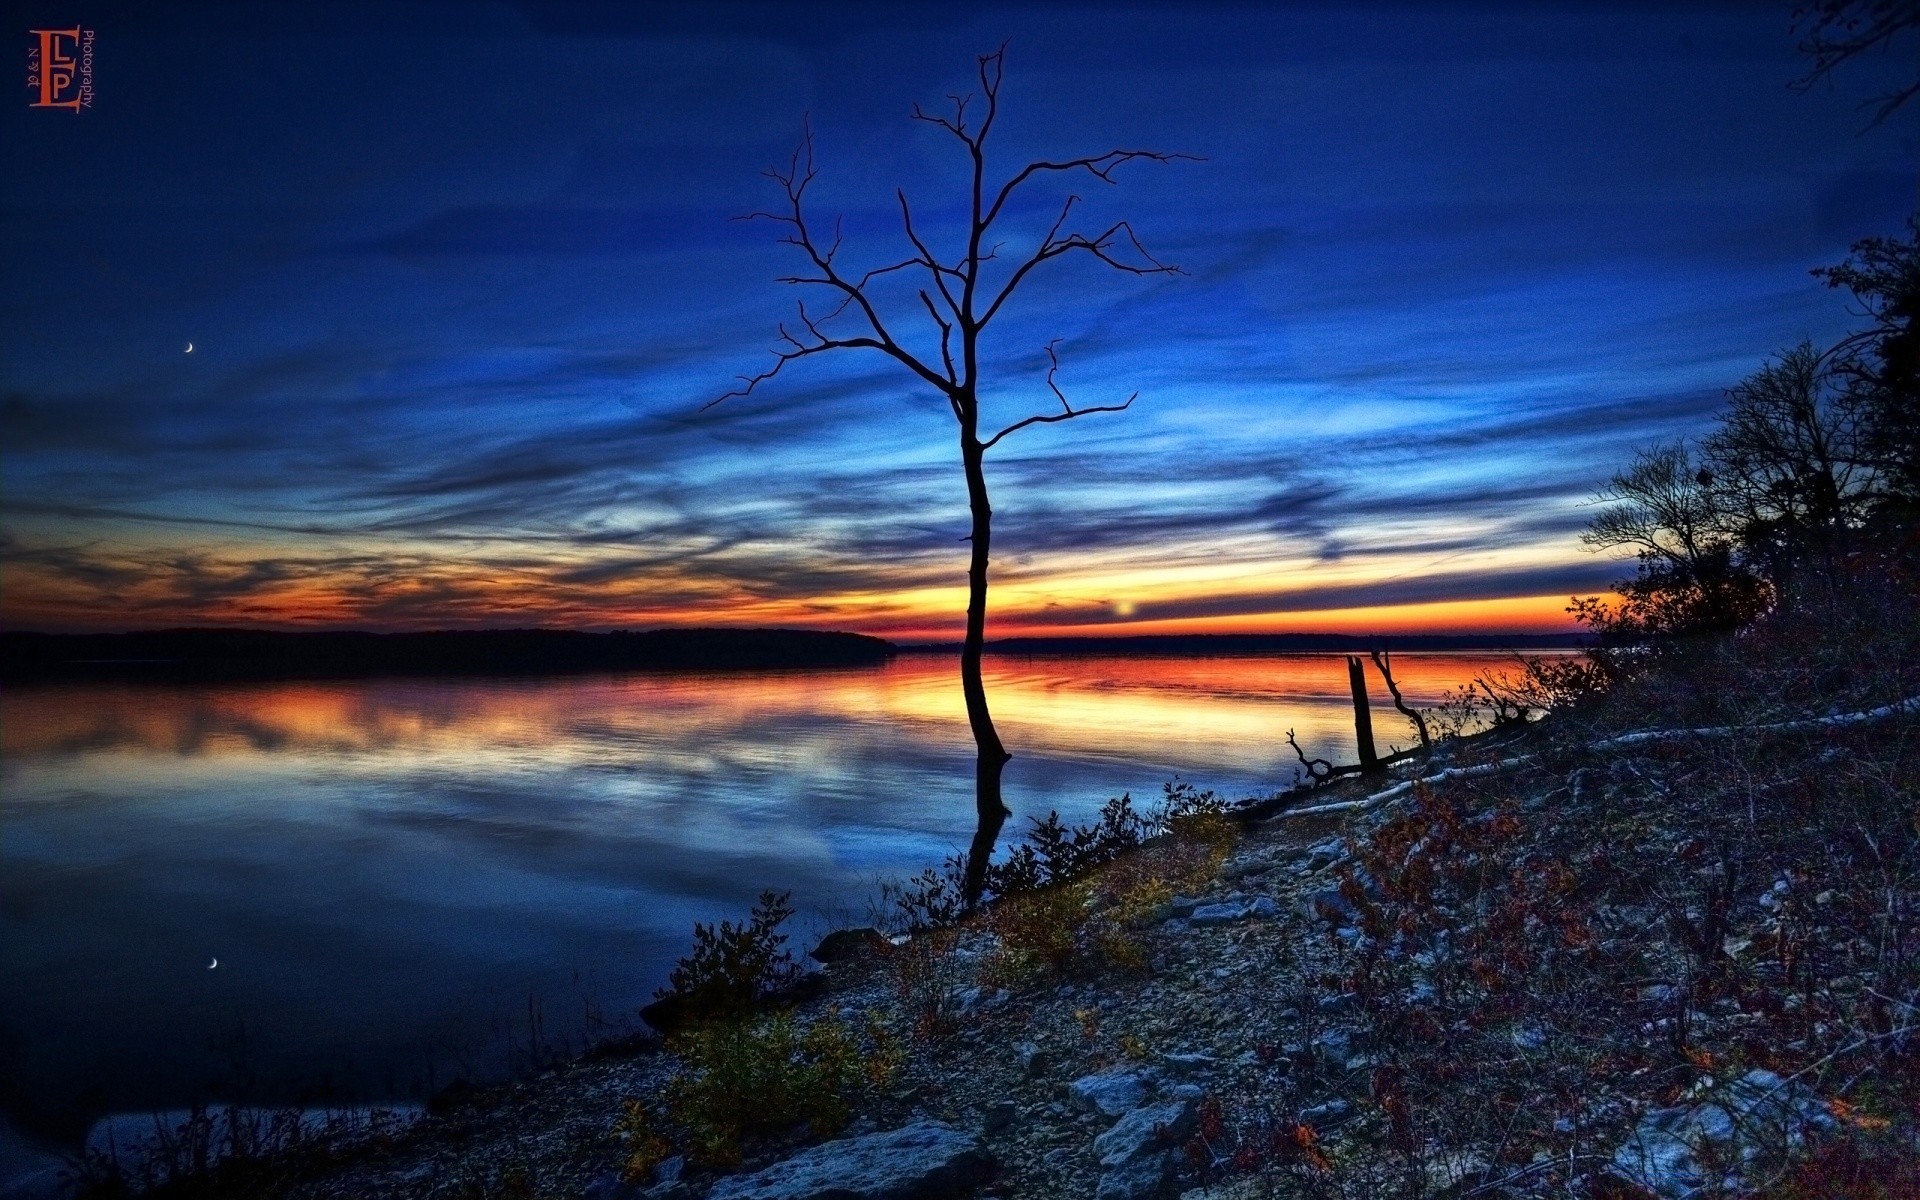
(1100, 247)
(926, 259)
(1101, 166)
(800, 172)
(1052, 418)
(1318, 769)
(1383, 660)
(946, 334)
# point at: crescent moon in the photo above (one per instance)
(189, 347)
(213, 964)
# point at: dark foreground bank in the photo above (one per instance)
(172, 654)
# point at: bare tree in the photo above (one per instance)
(960, 297)
(1383, 662)
(1789, 463)
(1833, 31)
(1669, 513)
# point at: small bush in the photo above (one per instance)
(1039, 931)
(733, 967)
(749, 1076)
(639, 1132)
(933, 899)
(926, 973)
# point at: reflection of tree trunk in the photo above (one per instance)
(992, 755)
(1362, 715)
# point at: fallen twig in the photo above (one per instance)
(1832, 721)
(1401, 789)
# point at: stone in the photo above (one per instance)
(1145, 1131)
(1335, 1045)
(1322, 1115)
(1710, 1146)
(914, 1162)
(1111, 1092)
(848, 945)
(1326, 853)
(1243, 866)
(609, 1186)
(1140, 1179)
(1033, 1060)
(1000, 1115)
(1190, 1063)
(1232, 912)
(1327, 904)
(1251, 1187)
(970, 1000)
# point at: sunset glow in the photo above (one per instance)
(1416, 330)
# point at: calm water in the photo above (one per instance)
(387, 870)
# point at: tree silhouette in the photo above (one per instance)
(960, 300)
(1833, 32)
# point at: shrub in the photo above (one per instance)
(1039, 931)
(748, 1076)
(638, 1131)
(926, 973)
(733, 967)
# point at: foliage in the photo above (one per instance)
(734, 967)
(1809, 482)
(1879, 366)
(755, 1075)
(927, 975)
(646, 1147)
(1039, 931)
(1056, 853)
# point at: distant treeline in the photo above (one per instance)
(1204, 644)
(265, 654)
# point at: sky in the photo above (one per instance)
(461, 281)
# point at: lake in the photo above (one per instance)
(401, 879)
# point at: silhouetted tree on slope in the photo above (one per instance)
(959, 300)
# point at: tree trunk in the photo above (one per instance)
(1362, 715)
(992, 756)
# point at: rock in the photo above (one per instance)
(1250, 1187)
(1327, 904)
(970, 1000)
(610, 1186)
(1000, 1115)
(1145, 1131)
(1322, 1115)
(1234, 911)
(1708, 1147)
(1194, 1063)
(1246, 865)
(1326, 853)
(848, 945)
(1140, 1179)
(925, 1159)
(1111, 1092)
(1335, 1045)
(1033, 1060)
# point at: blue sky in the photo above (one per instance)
(460, 279)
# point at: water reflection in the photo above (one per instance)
(387, 869)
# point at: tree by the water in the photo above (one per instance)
(960, 296)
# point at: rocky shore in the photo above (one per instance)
(1531, 963)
